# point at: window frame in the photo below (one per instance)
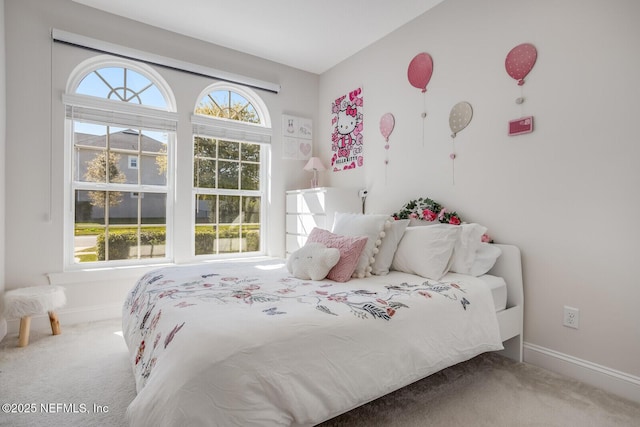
(234, 131)
(178, 190)
(145, 114)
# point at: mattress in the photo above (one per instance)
(498, 290)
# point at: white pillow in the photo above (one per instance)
(388, 247)
(486, 257)
(415, 222)
(372, 226)
(468, 243)
(426, 251)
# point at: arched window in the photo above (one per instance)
(232, 132)
(227, 104)
(121, 124)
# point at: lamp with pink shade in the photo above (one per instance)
(314, 164)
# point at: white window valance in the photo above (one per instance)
(117, 113)
(230, 129)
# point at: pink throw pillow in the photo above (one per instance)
(350, 249)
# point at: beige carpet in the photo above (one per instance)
(82, 378)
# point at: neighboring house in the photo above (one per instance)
(135, 163)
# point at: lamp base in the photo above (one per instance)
(314, 180)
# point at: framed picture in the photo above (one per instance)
(297, 137)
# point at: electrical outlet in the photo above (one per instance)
(571, 317)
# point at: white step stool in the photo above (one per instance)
(25, 302)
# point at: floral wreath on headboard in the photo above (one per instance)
(427, 210)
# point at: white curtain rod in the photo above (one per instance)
(138, 55)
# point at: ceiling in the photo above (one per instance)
(311, 35)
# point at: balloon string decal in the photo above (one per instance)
(452, 156)
(387, 123)
(424, 113)
(386, 159)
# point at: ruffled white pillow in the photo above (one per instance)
(486, 257)
(371, 226)
(468, 243)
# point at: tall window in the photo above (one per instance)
(122, 130)
(229, 160)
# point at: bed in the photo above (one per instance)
(246, 343)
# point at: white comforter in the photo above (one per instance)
(249, 345)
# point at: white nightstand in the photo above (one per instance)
(315, 207)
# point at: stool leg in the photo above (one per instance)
(55, 323)
(25, 325)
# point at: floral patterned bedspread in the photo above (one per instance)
(248, 344)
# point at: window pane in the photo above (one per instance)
(89, 224)
(220, 98)
(206, 209)
(205, 147)
(229, 207)
(250, 176)
(228, 150)
(204, 172)
(228, 105)
(251, 238)
(250, 152)
(153, 169)
(228, 173)
(124, 139)
(153, 235)
(206, 228)
(251, 210)
(153, 208)
(89, 134)
(229, 239)
(250, 115)
(92, 160)
(206, 240)
(122, 84)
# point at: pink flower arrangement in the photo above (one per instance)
(429, 215)
(486, 238)
(427, 210)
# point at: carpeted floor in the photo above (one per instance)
(82, 378)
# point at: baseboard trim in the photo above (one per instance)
(69, 316)
(614, 381)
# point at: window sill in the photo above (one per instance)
(130, 272)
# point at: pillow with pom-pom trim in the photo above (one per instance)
(369, 225)
(350, 249)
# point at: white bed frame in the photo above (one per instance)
(509, 267)
(510, 320)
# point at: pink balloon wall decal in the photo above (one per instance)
(387, 122)
(420, 71)
(520, 61)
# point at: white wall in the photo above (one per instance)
(34, 235)
(3, 113)
(566, 194)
